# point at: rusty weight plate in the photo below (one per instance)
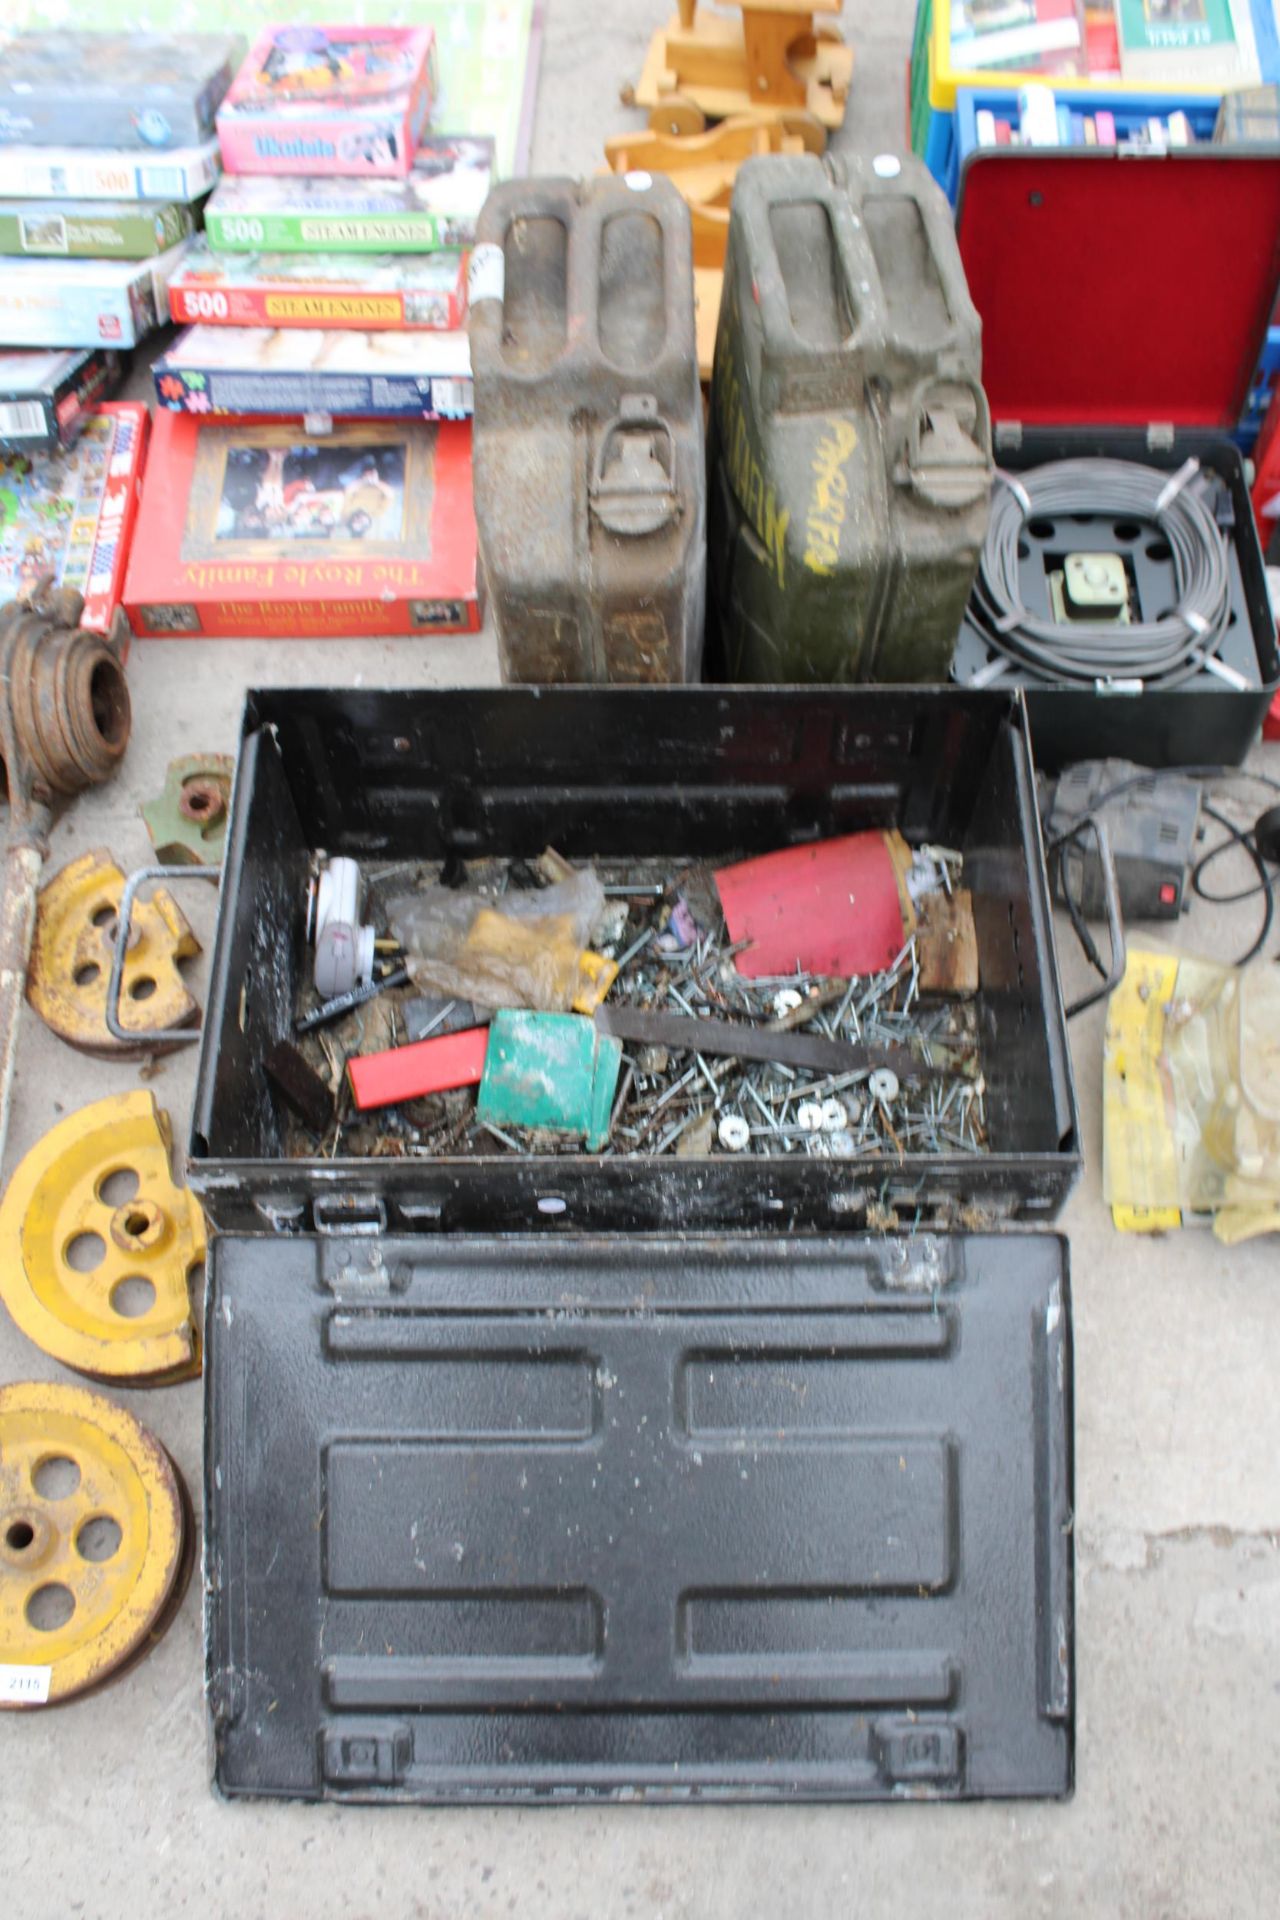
(71, 959)
(96, 1542)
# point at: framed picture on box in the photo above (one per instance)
(258, 527)
(274, 493)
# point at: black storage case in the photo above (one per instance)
(1125, 300)
(559, 1479)
(683, 772)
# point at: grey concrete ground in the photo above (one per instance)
(106, 1809)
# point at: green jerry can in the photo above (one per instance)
(849, 446)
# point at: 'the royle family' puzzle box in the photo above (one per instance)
(81, 89)
(317, 100)
(319, 289)
(261, 527)
(436, 204)
(70, 514)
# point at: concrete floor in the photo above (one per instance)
(106, 1804)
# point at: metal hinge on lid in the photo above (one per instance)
(1159, 436)
(1007, 435)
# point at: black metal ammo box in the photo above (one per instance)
(551, 1478)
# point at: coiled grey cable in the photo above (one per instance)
(1147, 653)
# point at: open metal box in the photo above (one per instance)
(1124, 301)
(595, 772)
(553, 1479)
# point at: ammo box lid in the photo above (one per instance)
(694, 1517)
(1118, 288)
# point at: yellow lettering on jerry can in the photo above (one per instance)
(826, 513)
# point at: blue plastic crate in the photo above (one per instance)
(934, 96)
(1130, 111)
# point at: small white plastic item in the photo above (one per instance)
(882, 1085)
(344, 949)
(337, 894)
(344, 959)
(786, 1000)
(809, 1116)
(834, 1117)
(734, 1133)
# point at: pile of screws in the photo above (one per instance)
(772, 1109)
(667, 934)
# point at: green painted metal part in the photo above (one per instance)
(550, 1070)
(187, 821)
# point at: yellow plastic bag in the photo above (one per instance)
(520, 950)
(1191, 1095)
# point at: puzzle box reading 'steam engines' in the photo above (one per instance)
(436, 204)
(319, 290)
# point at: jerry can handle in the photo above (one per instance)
(964, 484)
(654, 196)
(508, 204)
(854, 263)
(643, 498)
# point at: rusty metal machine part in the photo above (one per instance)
(65, 723)
(849, 447)
(98, 1246)
(72, 953)
(187, 820)
(64, 726)
(96, 1541)
(590, 482)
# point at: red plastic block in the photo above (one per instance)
(409, 1073)
(832, 907)
(1271, 725)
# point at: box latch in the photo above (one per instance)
(364, 1756)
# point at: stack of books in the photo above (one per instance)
(107, 143)
(311, 470)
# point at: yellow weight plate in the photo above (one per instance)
(97, 1246)
(94, 1541)
(71, 959)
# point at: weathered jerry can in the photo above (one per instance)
(850, 440)
(588, 452)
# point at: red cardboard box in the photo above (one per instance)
(256, 527)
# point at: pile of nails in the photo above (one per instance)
(690, 1104)
(674, 1102)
